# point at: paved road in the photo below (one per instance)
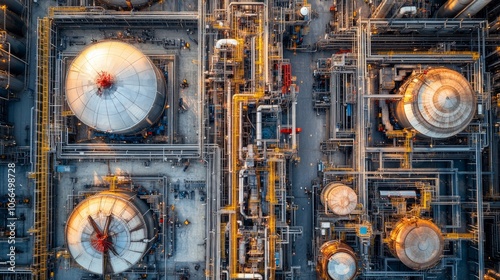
(304, 172)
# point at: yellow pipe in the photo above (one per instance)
(271, 197)
(40, 226)
(237, 99)
(233, 252)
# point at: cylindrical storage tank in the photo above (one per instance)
(437, 103)
(417, 243)
(473, 9)
(113, 87)
(12, 44)
(451, 8)
(110, 232)
(11, 63)
(14, 5)
(12, 22)
(339, 198)
(336, 261)
(126, 3)
(10, 83)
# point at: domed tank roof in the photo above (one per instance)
(339, 198)
(341, 266)
(112, 86)
(418, 243)
(109, 232)
(304, 11)
(337, 261)
(437, 103)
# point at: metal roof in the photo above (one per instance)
(109, 232)
(132, 98)
(437, 103)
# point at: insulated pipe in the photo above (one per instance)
(495, 25)
(473, 8)
(452, 8)
(247, 276)
(240, 184)
(240, 194)
(229, 127)
(259, 120)
(383, 9)
(240, 143)
(294, 113)
(252, 64)
(242, 251)
(222, 42)
(406, 10)
(385, 115)
(13, 5)
(266, 252)
(266, 48)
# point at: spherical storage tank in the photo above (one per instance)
(336, 261)
(417, 243)
(112, 86)
(437, 103)
(110, 232)
(339, 198)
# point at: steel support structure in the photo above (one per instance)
(41, 173)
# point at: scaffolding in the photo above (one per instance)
(41, 172)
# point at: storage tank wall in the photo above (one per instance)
(336, 261)
(10, 83)
(339, 198)
(12, 22)
(417, 243)
(126, 3)
(13, 44)
(14, 5)
(11, 64)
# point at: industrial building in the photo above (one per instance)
(283, 139)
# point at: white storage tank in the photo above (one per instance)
(417, 243)
(110, 232)
(113, 87)
(339, 198)
(336, 261)
(437, 103)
